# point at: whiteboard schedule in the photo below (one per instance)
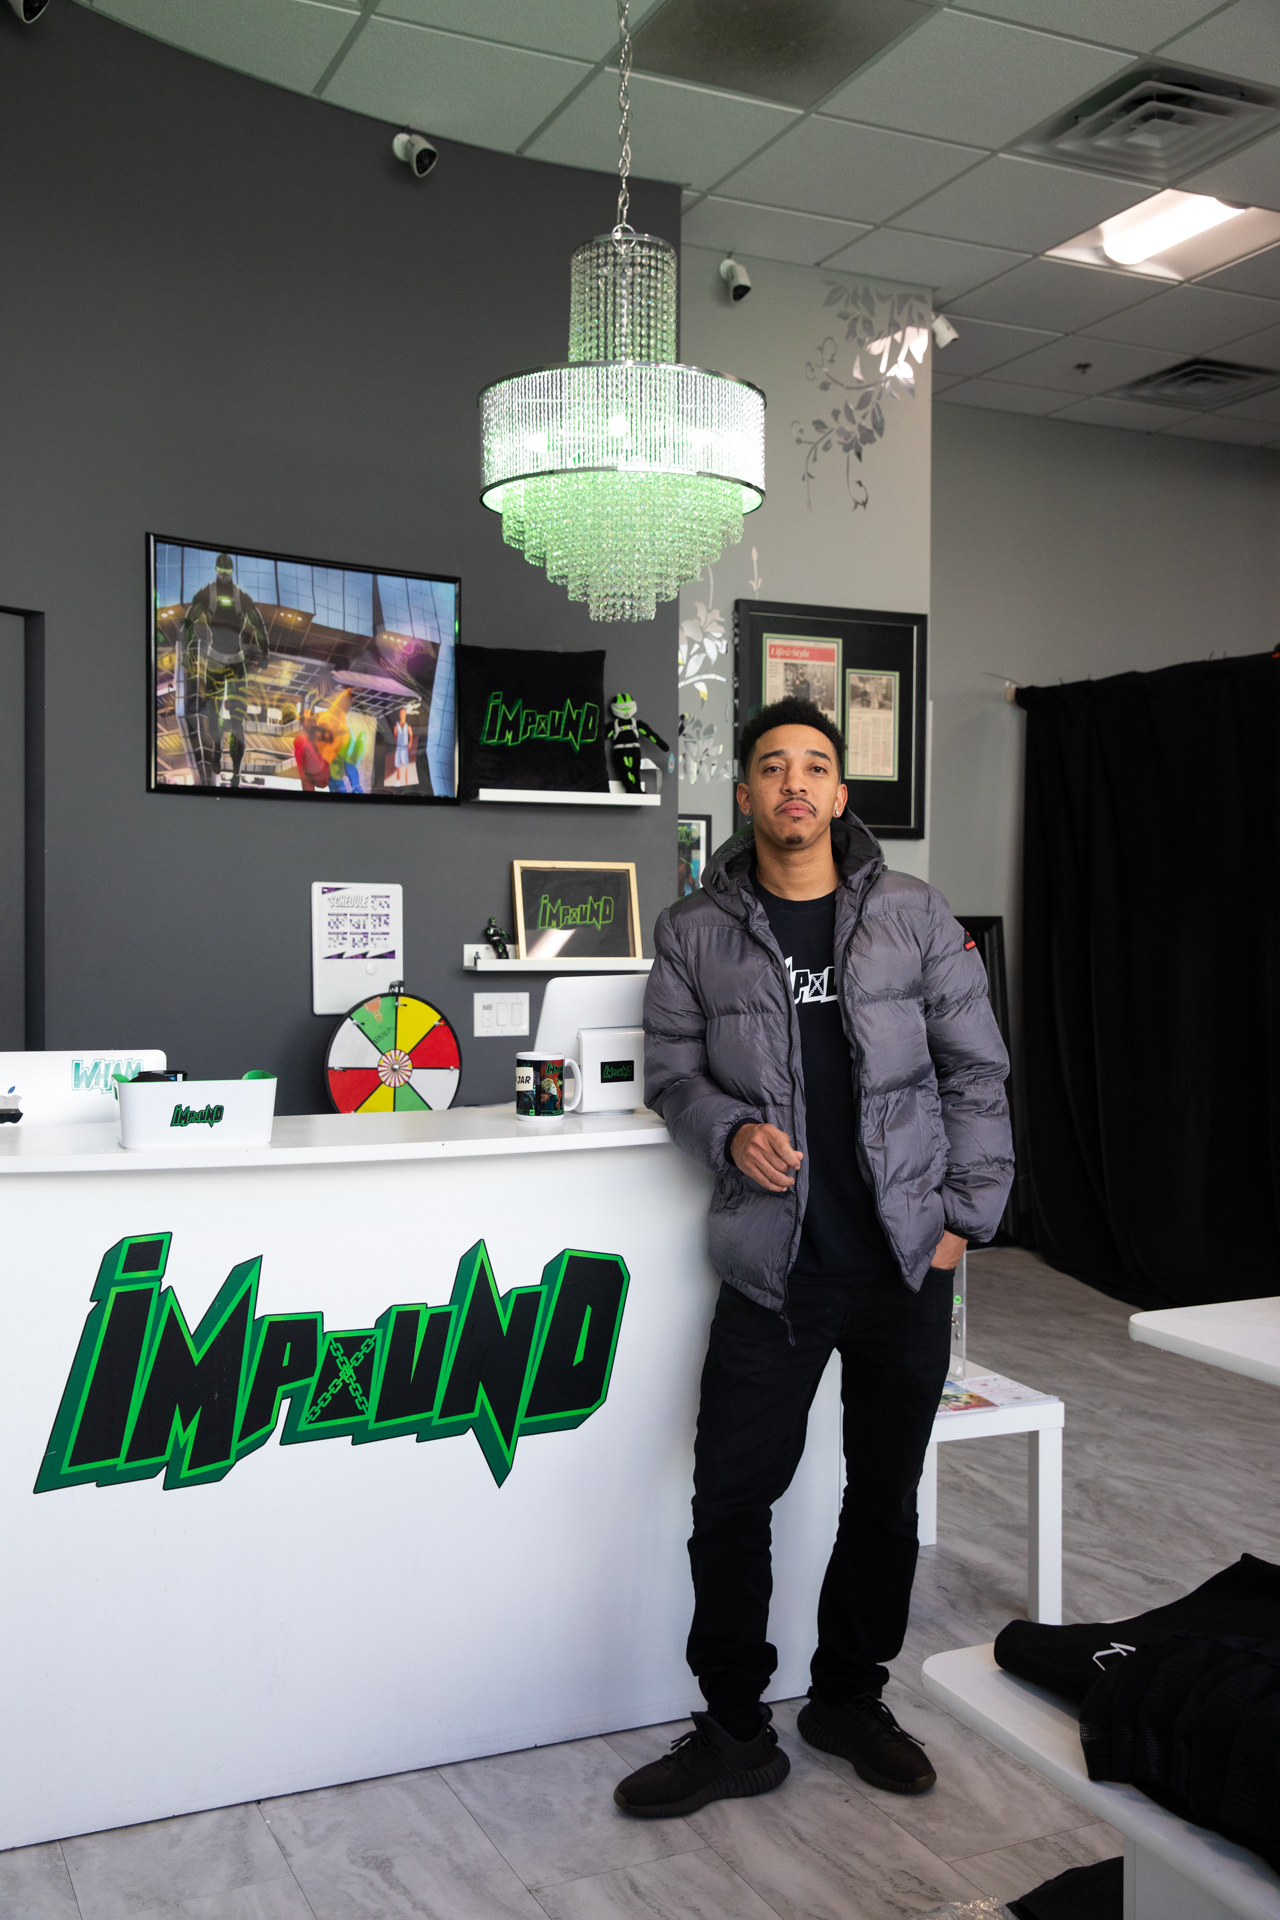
(357, 941)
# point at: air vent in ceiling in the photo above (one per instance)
(1199, 383)
(1158, 123)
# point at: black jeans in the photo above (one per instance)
(756, 1393)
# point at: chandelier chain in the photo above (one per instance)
(624, 111)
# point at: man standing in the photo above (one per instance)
(818, 1034)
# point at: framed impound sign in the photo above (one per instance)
(867, 672)
(576, 909)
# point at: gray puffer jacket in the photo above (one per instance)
(722, 1045)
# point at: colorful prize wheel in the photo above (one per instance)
(393, 1053)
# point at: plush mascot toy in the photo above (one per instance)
(626, 742)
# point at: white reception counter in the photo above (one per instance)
(497, 1331)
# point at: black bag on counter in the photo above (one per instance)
(1193, 1721)
(1243, 1599)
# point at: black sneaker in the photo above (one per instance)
(705, 1765)
(864, 1732)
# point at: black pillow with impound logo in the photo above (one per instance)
(531, 718)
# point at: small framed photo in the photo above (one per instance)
(693, 850)
(576, 909)
(878, 662)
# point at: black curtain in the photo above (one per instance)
(1150, 980)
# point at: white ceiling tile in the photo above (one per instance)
(580, 29)
(678, 132)
(1004, 398)
(1252, 176)
(852, 173)
(765, 233)
(1260, 275)
(446, 84)
(1081, 366)
(1263, 406)
(982, 346)
(949, 267)
(1258, 349)
(1024, 204)
(978, 81)
(1055, 294)
(1216, 426)
(1126, 413)
(1189, 320)
(290, 42)
(939, 382)
(1136, 24)
(1243, 40)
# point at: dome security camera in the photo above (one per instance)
(736, 278)
(942, 330)
(413, 148)
(28, 10)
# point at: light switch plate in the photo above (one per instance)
(501, 1016)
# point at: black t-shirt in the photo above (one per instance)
(841, 1238)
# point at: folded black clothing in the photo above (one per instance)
(1193, 1721)
(1081, 1893)
(1243, 1599)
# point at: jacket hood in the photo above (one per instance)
(855, 848)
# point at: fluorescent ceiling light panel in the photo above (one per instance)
(1174, 236)
(1162, 222)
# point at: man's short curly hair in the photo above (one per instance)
(788, 713)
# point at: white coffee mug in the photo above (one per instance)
(540, 1079)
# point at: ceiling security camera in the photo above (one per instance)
(28, 10)
(415, 150)
(942, 330)
(736, 278)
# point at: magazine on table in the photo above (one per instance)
(987, 1390)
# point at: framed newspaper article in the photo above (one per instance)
(865, 670)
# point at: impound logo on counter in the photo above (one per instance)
(146, 1394)
(196, 1117)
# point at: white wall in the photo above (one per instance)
(1062, 552)
(811, 545)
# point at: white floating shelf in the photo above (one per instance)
(540, 797)
(481, 959)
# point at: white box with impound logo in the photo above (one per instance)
(612, 1062)
(196, 1113)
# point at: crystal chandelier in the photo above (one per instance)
(622, 472)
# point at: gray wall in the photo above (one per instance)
(1059, 552)
(231, 316)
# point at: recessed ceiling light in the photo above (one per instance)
(1174, 236)
(1164, 221)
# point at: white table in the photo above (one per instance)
(305, 1614)
(1042, 1421)
(1172, 1870)
(1242, 1336)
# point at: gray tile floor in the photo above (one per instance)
(1170, 1468)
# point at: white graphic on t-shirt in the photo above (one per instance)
(807, 986)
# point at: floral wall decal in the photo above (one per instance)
(703, 646)
(886, 332)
